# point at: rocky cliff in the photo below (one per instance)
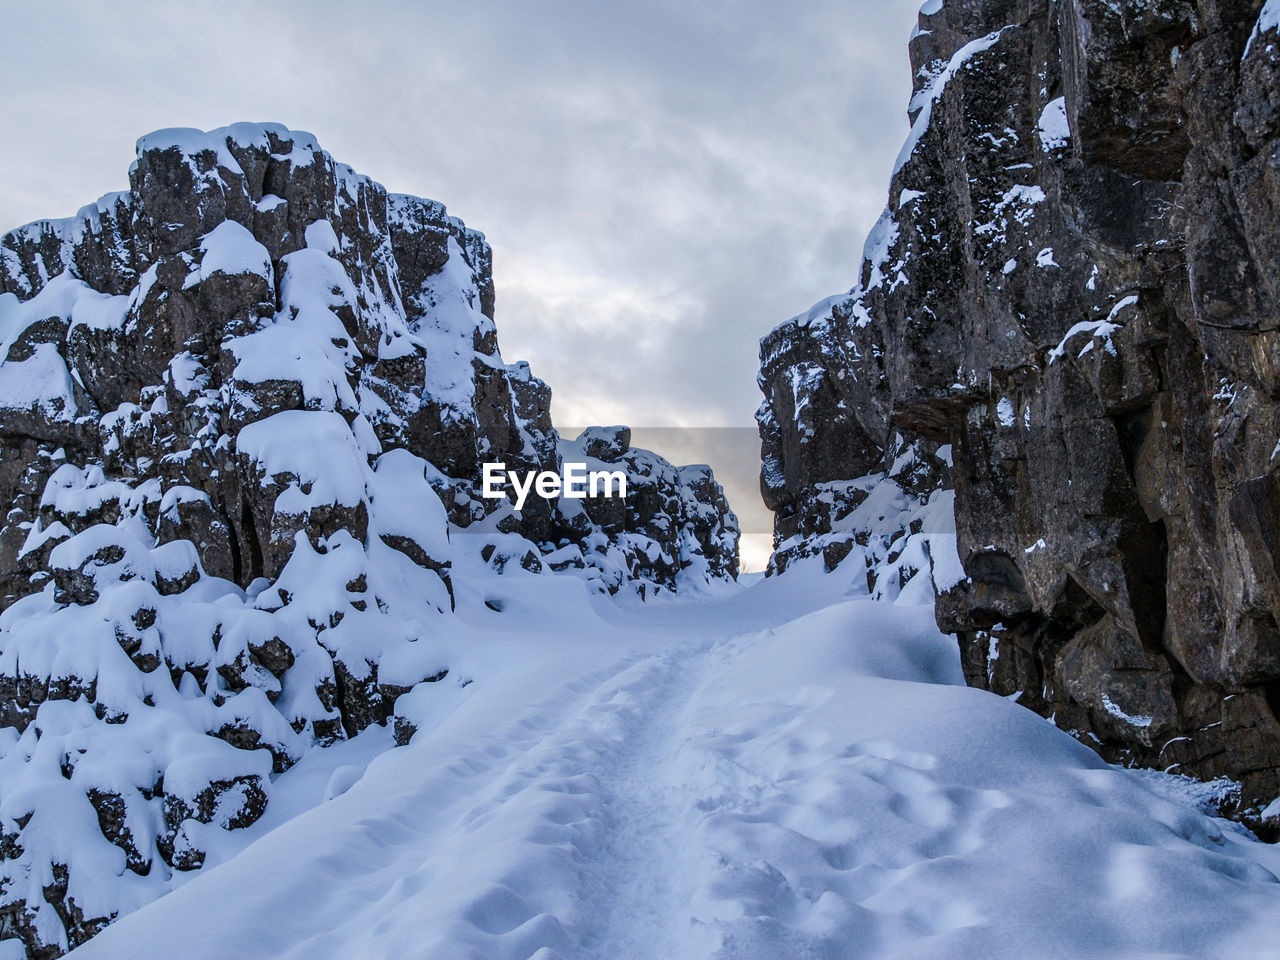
(243, 408)
(1068, 315)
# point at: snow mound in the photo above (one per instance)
(793, 770)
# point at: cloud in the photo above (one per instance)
(662, 182)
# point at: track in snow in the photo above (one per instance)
(648, 812)
(780, 774)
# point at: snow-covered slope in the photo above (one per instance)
(243, 409)
(788, 770)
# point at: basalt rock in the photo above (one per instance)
(243, 408)
(1068, 314)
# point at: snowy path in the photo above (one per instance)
(781, 773)
(648, 901)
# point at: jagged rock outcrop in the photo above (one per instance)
(242, 406)
(1068, 313)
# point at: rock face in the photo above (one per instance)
(243, 405)
(1068, 314)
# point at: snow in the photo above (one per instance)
(1272, 811)
(189, 141)
(41, 382)
(875, 250)
(906, 196)
(175, 559)
(449, 333)
(818, 311)
(406, 506)
(158, 726)
(365, 586)
(313, 452)
(793, 769)
(1268, 19)
(1096, 329)
(321, 236)
(180, 494)
(230, 249)
(291, 351)
(81, 490)
(1053, 129)
(1206, 796)
(99, 311)
(1023, 196)
(1017, 204)
(306, 342)
(1115, 711)
(926, 98)
(63, 296)
(789, 769)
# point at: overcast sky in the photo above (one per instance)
(662, 182)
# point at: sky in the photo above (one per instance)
(662, 182)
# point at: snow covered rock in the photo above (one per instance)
(605, 443)
(674, 525)
(243, 405)
(1066, 313)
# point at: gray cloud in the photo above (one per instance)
(662, 182)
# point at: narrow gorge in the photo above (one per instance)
(313, 645)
